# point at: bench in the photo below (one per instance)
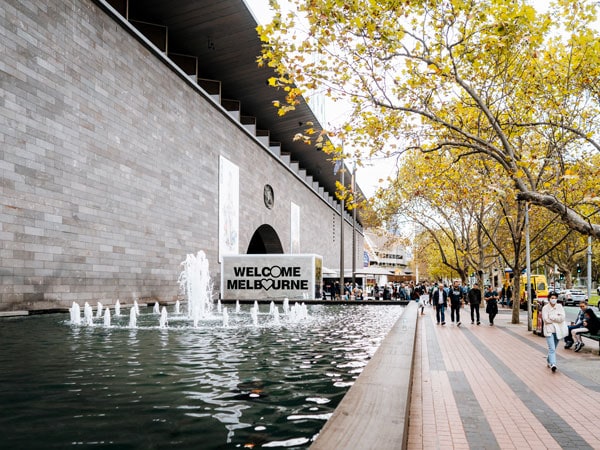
(593, 337)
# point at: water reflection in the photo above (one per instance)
(203, 388)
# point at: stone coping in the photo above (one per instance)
(374, 412)
(13, 313)
(319, 302)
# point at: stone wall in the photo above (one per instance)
(109, 166)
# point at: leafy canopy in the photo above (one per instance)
(491, 79)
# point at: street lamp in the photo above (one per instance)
(589, 268)
(528, 268)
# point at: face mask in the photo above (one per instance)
(553, 301)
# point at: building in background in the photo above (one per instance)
(136, 132)
(385, 259)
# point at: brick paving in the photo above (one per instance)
(483, 387)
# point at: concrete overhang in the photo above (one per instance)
(222, 35)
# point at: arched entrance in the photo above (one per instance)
(264, 241)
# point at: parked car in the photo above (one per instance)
(572, 297)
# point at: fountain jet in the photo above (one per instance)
(195, 282)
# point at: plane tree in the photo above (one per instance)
(478, 79)
(433, 192)
(471, 214)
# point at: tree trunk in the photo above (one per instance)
(568, 280)
(516, 294)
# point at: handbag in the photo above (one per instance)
(561, 329)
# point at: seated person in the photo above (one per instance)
(574, 325)
(591, 324)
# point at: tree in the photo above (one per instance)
(467, 209)
(566, 255)
(433, 192)
(472, 217)
(484, 79)
(430, 258)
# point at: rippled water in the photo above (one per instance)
(191, 388)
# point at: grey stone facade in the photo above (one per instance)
(109, 166)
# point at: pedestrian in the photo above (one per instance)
(336, 290)
(426, 291)
(509, 296)
(415, 295)
(555, 327)
(532, 293)
(578, 323)
(491, 303)
(474, 297)
(591, 324)
(386, 293)
(422, 302)
(439, 299)
(456, 302)
(402, 293)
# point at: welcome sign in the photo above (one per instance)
(250, 277)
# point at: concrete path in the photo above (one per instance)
(488, 387)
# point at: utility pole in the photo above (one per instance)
(589, 268)
(353, 190)
(528, 264)
(342, 236)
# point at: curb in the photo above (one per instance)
(374, 412)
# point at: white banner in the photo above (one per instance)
(229, 208)
(295, 228)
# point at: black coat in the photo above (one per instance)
(474, 296)
(492, 307)
(591, 321)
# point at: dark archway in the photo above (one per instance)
(264, 241)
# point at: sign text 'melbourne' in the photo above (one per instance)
(273, 271)
(268, 284)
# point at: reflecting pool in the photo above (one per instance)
(208, 387)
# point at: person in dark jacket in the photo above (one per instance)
(491, 299)
(474, 297)
(439, 299)
(591, 324)
(456, 297)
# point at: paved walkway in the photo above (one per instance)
(484, 387)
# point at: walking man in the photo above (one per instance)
(491, 303)
(474, 297)
(456, 301)
(439, 298)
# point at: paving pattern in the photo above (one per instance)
(488, 387)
